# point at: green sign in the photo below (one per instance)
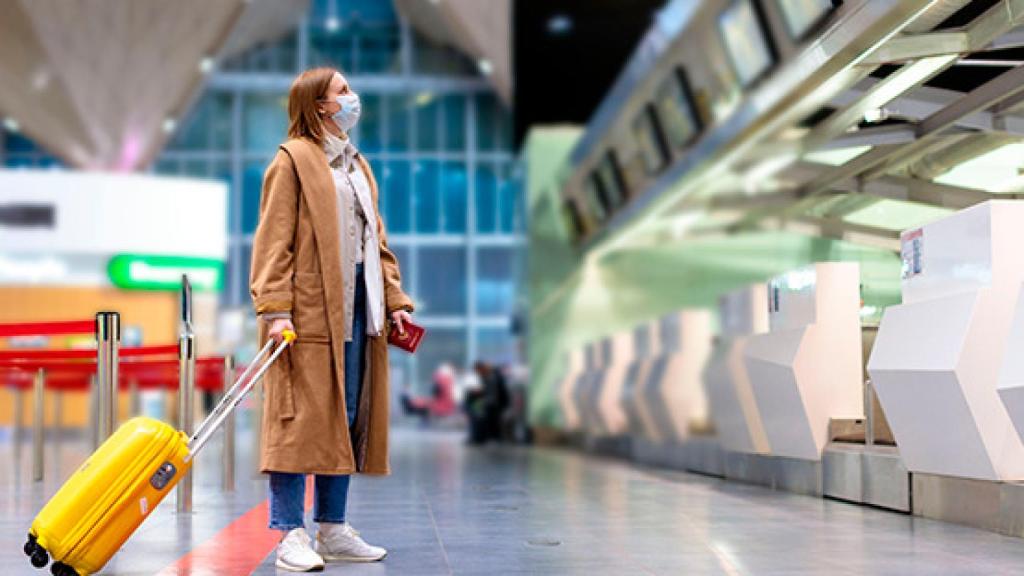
(138, 272)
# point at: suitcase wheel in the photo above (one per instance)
(62, 569)
(30, 546)
(39, 557)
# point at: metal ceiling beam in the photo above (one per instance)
(897, 83)
(906, 189)
(925, 101)
(883, 158)
(1004, 86)
(929, 193)
(916, 46)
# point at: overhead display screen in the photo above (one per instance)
(610, 180)
(649, 137)
(744, 39)
(802, 15)
(573, 222)
(675, 105)
(597, 207)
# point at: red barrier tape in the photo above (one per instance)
(48, 328)
(130, 352)
(89, 367)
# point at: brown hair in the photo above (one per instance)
(304, 119)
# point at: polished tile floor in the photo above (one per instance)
(449, 509)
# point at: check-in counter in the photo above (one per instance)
(646, 342)
(583, 390)
(734, 412)
(566, 388)
(673, 395)
(937, 358)
(606, 396)
(807, 369)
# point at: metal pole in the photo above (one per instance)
(134, 403)
(869, 413)
(94, 412)
(108, 342)
(257, 426)
(228, 479)
(38, 414)
(186, 387)
(186, 400)
(19, 421)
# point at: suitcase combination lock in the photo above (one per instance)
(163, 475)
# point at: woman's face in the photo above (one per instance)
(338, 87)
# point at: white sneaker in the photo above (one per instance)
(295, 553)
(341, 542)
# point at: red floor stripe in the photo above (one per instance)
(238, 549)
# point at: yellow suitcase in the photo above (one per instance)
(107, 498)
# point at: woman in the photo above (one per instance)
(321, 266)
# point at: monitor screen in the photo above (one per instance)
(610, 181)
(745, 41)
(649, 137)
(802, 15)
(596, 204)
(674, 103)
(573, 222)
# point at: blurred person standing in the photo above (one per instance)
(321, 266)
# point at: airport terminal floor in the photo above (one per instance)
(453, 509)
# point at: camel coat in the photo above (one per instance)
(296, 267)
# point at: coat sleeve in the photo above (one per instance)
(273, 249)
(394, 297)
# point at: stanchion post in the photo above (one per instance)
(186, 388)
(108, 342)
(228, 478)
(257, 426)
(869, 413)
(94, 411)
(19, 421)
(38, 414)
(134, 403)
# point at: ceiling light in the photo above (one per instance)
(169, 125)
(485, 66)
(333, 23)
(206, 65)
(559, 25)
(874, 115)
(11, 124)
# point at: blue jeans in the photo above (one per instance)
(288, 491)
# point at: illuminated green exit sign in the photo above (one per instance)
(138, 272)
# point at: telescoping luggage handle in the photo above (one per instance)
(234, 395)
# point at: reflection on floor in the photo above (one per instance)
(449, 509)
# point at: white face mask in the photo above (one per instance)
(351, 108)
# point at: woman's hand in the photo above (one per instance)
(279, 325)
(400, 317)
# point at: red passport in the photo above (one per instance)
(408, 340)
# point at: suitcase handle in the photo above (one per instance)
(235, 394)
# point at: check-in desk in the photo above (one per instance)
(606, 398)
(807, 369)
(583, 389)
(675, 388)
(734, 412)
(937, 357)
(566, 389)
(646, 344)
(670, 400)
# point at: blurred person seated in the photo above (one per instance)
(486, 404)
(441, 402)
